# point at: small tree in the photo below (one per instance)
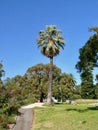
(50, 41)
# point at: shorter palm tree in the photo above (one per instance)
(50, 41)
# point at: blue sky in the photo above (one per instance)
(21, 20)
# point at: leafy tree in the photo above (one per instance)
(1, 74)
(67, 83)
(77, 92)
(2, 97)
(88, 60)
(50, 41)
(87, 89)
(97, 78)
(38, 77)
(96, 87)
(9, 101)
(64, 86)
(35, 78)
(1, 70)
(95, 29)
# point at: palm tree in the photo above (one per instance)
(50, 41)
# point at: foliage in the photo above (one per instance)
(50, 41)
(96, 90)
(32, 87)
(3, 122)
(63, 86)
(1, 71)
(88, 60)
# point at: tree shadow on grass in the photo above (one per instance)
(83, 110)
(93, 108)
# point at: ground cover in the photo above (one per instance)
(66, 117)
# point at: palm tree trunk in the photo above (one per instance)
(50, 83)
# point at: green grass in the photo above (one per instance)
(66, 117)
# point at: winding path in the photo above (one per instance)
(25, 120)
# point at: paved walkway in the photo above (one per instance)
(25, 120)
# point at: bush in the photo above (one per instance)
(11, 120)
(3, 122)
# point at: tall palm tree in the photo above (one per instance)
(50, 41)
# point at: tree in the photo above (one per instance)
(95, 29)
(87, 89)
(50, 41)
(1, 73)
(67, 85)
(38, 77)
(96, 78)
(88, 61)
(96, 86)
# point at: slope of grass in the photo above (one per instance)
(66, 117)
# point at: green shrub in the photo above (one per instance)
(3, 122)
(11, 120)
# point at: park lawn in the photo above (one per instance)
(66, 117)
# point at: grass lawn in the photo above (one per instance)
(66, 117)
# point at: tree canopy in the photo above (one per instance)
(88, 60)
